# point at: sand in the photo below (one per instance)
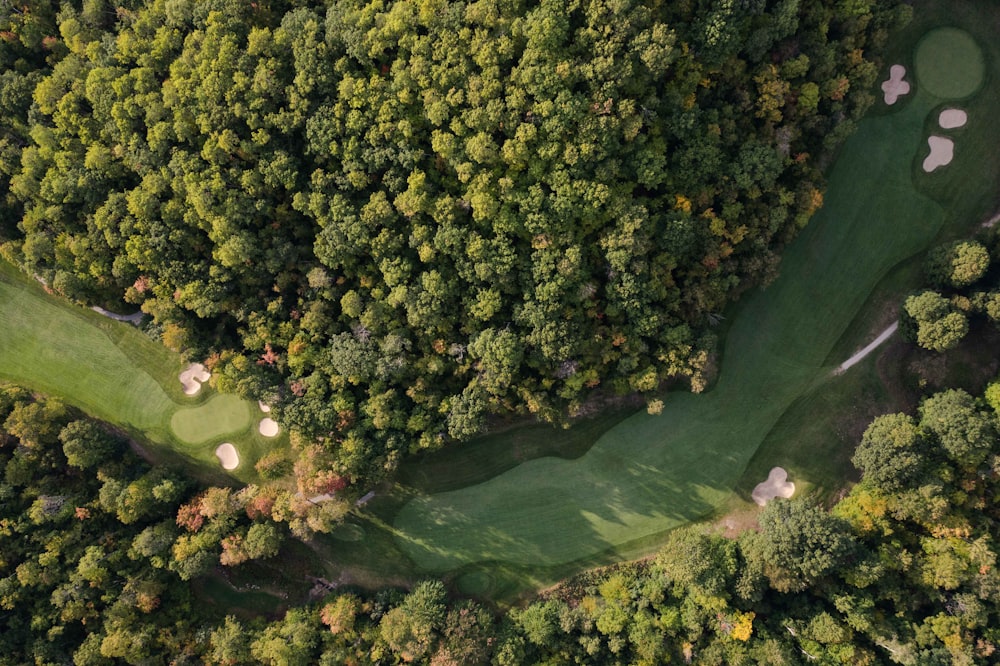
(777, 485)
(264, 408)
(942, 152)
(227, 455)
(895, 86)
(192, 378)
(953, 118)
(269, 427)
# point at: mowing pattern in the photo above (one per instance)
(54, 350)
(950, 64)
(650, 474)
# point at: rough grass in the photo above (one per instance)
(650, 474)
(113, 372)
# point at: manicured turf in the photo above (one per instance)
(113, 372)
(220, 415)
(949, 63)
(650, 474)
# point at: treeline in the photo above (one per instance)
(94, 543)
(96, 547)
(962, 286)
(391, 219)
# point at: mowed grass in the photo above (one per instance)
(650, 474)
(949, 63)
(113, 372)
(220, 415)
(814, 439)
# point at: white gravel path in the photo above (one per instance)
(882, 337)
(132, 318)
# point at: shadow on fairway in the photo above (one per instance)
(649, 474)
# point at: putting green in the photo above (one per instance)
(222, 414)
(650, 474)
(949, 63)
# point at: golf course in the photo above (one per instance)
(112, 371)
(535, 499)
(649, 474)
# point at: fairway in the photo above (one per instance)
(113, 372)
(652, 473)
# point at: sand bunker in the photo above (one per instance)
(942, 152)
(895, 87)
(953, 118)
(264, 408)
(192, 378)
(777, 485)
(268, 427)
(227, 455)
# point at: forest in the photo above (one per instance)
(398, 221)
(97, 547)
(393, 221)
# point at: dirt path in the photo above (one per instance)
(882, 337)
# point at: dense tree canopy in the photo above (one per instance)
(903, 570)
(963, 290)
(391, 219)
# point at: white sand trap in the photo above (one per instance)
(953, 118)
(192, 378)
(269, 427)
(777, 485)
(264, 408)
(942, 152)
(895, 87)
(227, 455)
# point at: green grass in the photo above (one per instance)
(949, 63)
(650, 474)
(113, 372)
(220, 415)
(816, 437)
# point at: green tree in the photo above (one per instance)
(937, 326)
(262, 541)
(411, 628)
(955, 421)
(291, 641)
(229, 644)
(957, 265)
(892, 452)
(798, 544)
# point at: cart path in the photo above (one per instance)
(882, 337)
